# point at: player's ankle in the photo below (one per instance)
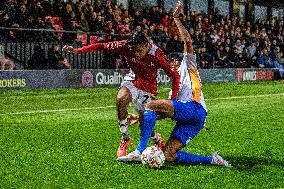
(155, 137)
(123, 127)
(125, 136)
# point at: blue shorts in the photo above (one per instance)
(190, 118)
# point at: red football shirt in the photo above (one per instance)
(146, 69)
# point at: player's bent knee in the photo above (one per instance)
(164, 107)
(149, 105)
(154, 105)
(123, 97)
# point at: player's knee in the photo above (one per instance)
(149, 106)
(122, 101)
(152, 105)
(123, 98)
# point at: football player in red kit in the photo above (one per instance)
(144, 59)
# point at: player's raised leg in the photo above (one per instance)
(165, 109)
(123, 99)
(143, 100)
(154, 108)
(146, 129)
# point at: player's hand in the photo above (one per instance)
(178, 10)
(69, 49)
(132, 119)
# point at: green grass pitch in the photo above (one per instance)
(67, 138)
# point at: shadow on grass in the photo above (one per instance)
(245, 163)
(167, 166)
(240, 163)
(130, 162)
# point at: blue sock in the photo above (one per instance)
(146, 129)
(185, 157)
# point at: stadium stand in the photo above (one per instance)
(220, 41)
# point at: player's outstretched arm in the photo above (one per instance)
(114, 46)
(85, 49)
(182, 30)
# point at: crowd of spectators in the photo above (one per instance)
(54, 59)
(219, 41)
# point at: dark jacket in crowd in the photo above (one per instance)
(38, 60)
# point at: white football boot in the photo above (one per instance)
(134, 156)
(218, 160)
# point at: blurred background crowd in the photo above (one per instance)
(219, 41)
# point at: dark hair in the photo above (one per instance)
(176, 55)
(137, 38)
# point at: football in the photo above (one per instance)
(153, 157)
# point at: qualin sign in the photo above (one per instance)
(114, 78)
(106, 78)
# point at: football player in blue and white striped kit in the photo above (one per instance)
(188, 110)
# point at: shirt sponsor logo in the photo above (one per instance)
(112, 45)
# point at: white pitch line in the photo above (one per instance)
(58, 110)
(105, 107)
(241, 97)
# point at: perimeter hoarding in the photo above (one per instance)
(256, 74)
(33, 79)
